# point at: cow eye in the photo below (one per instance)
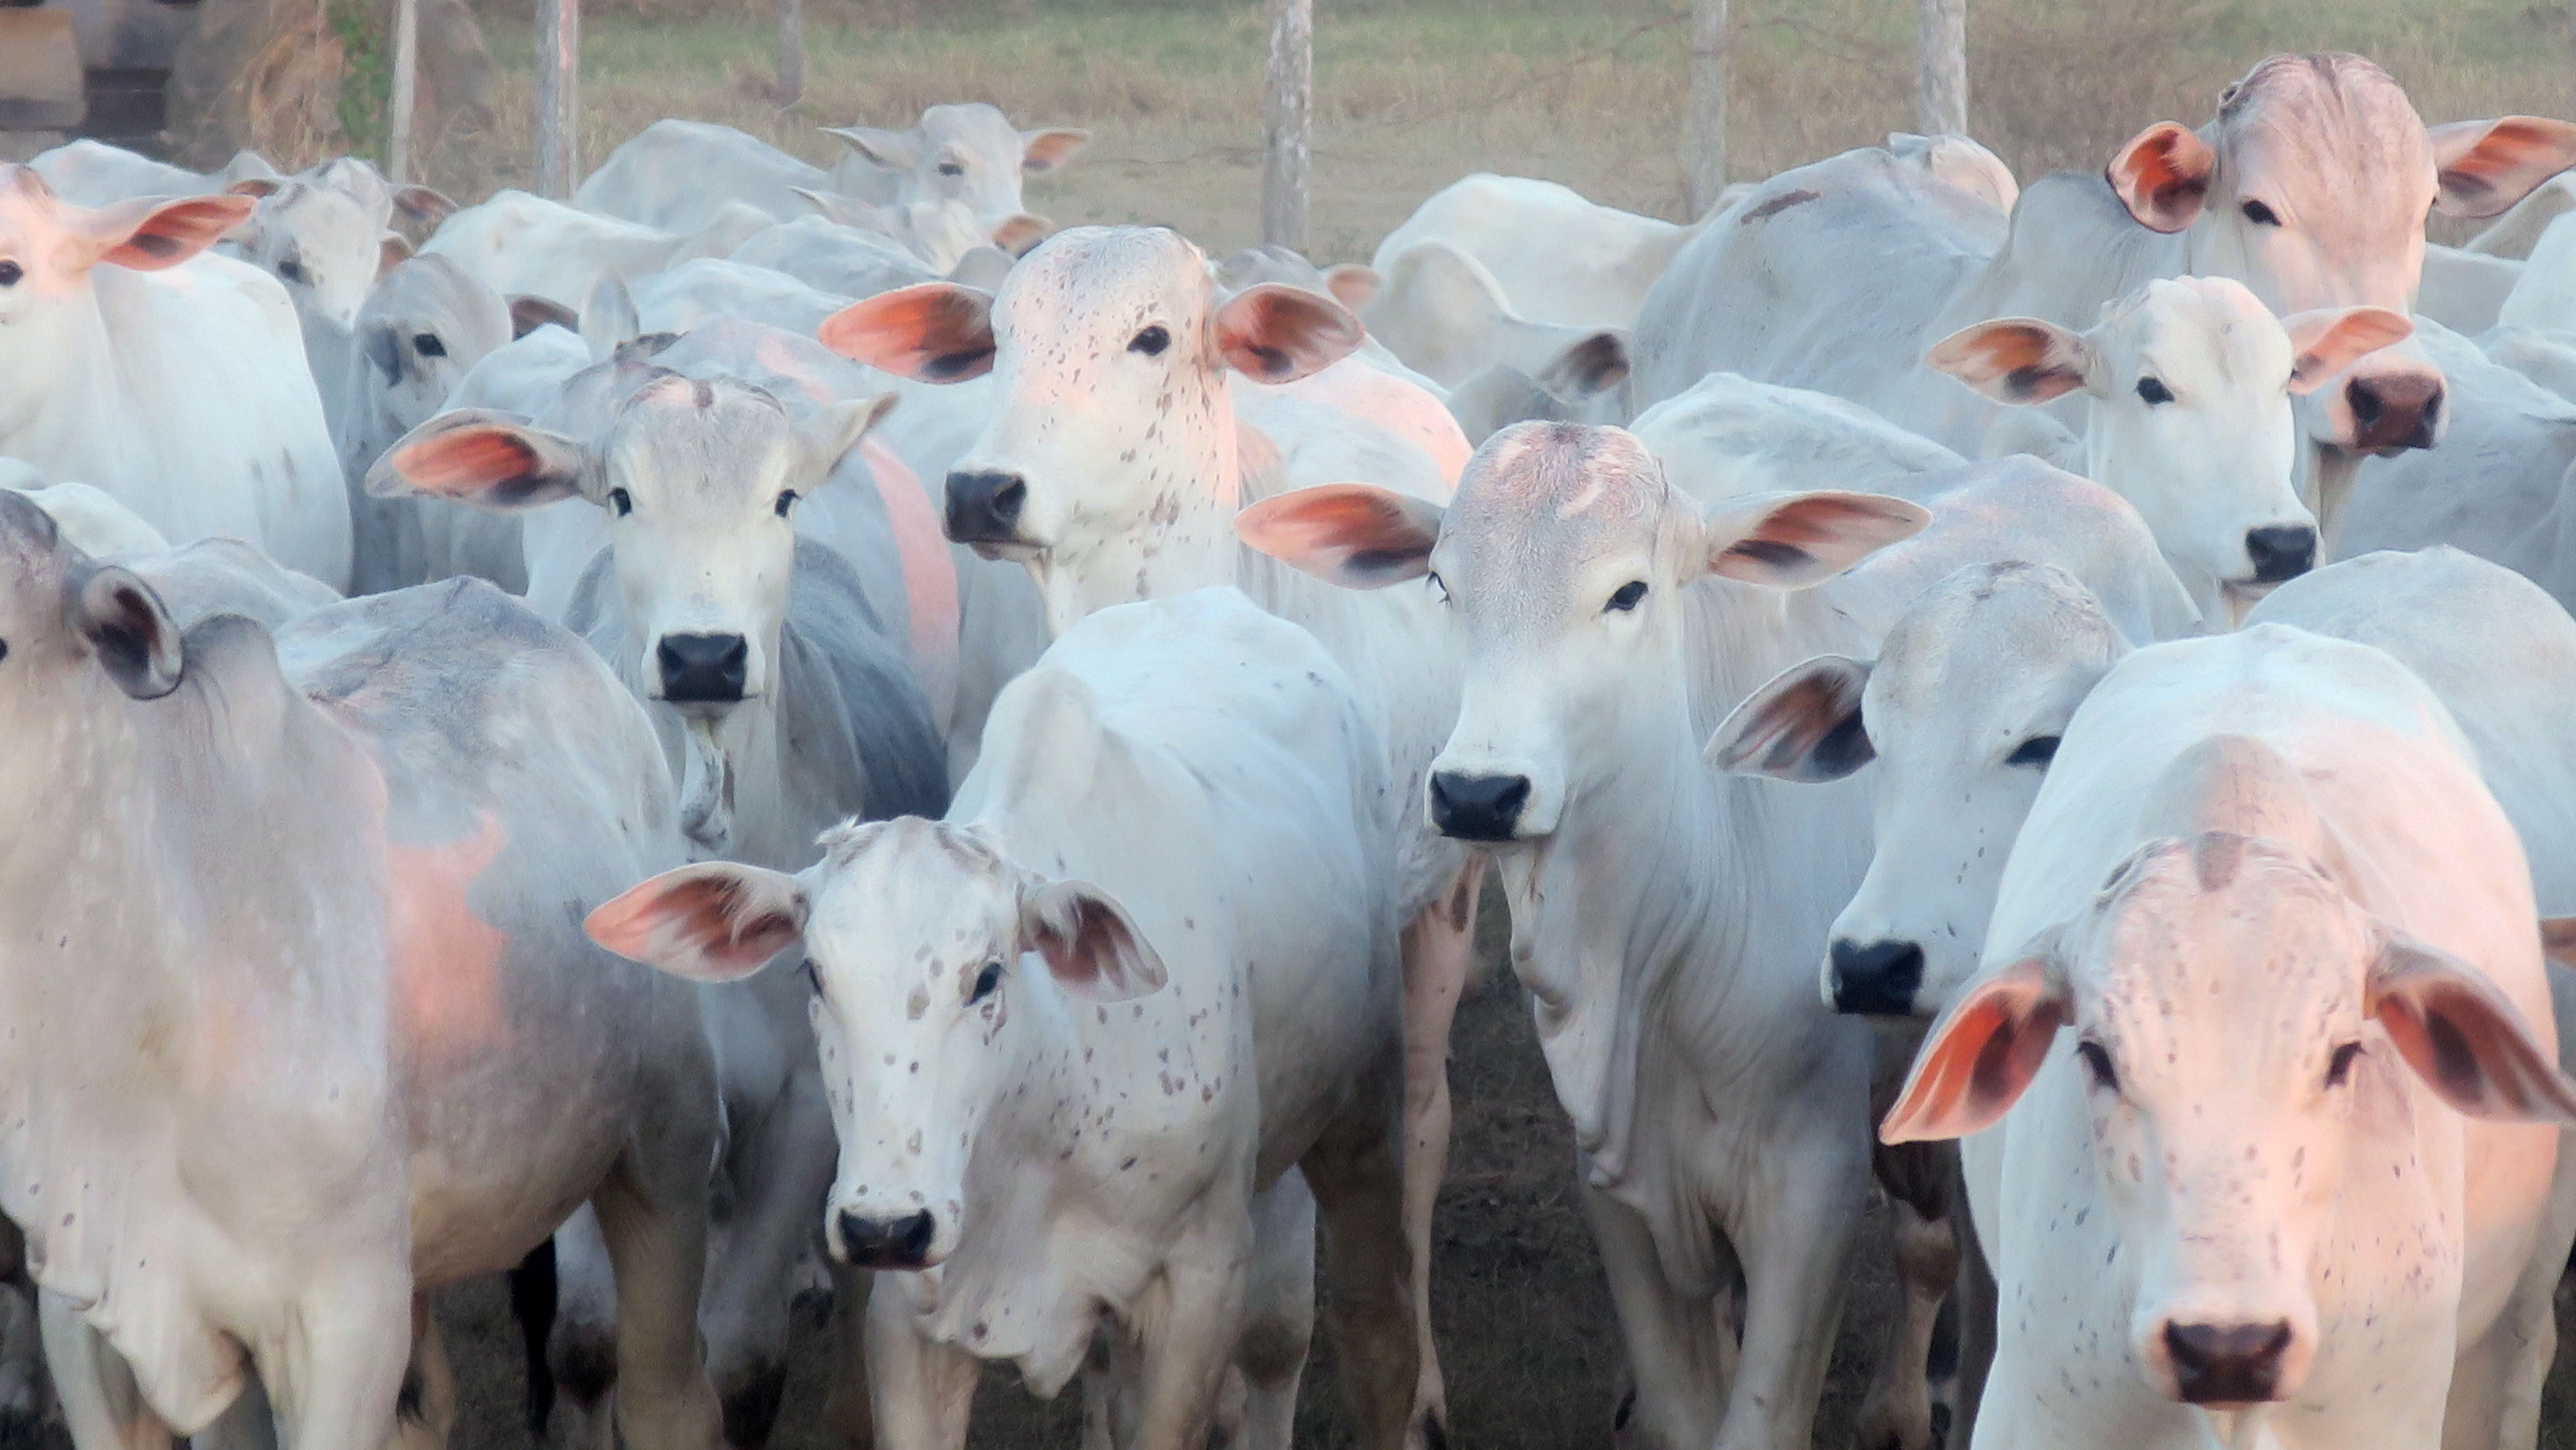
(10, 272)
(620, 502)
(2037, 752)
(2261, 215)
(2153, 389)
(2097, 1063)
(2339, 1067)
(1627, 597)
(1151, 341)
(1439, 587)
(985, 981)
(290, 270)
(813, 978)
(786, 501)
(951, 168)
(428, 345)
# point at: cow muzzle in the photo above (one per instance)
(2281, 552)
(2394, 411)
(1874, 979)
(2219, 1365)
(984, 506)
(884, 1243)
(703, 669)
(1473, 807)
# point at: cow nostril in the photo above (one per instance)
(2227, 1364)
(869, 1243)
(2281, 552)
(1876, 979)
(2365, 402)
(703, 668)
(1478, 807)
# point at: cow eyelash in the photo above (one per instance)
(1439, 587)
(620, 502)
(2261, 215)
(2339, 1067)
(813, 978)
(2153, 391)
(1629, 596)
(986, 981)
(2097, 1061)
(786, 500)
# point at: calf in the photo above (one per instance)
(968, 153)
(316, 1033)
(1181, 810)
(2307, 1114)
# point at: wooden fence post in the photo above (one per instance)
(558, 97)
(1704, 134)
(406, 90)
(791, 51)
(1941, 79)
(1288, 115)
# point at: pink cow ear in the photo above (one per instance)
(1804, 726)
(1793, 540)
(487, 459)
(2325, 341)
(1356, 535)
(935, 332)
(712, 922)
(2162, 176)
(1090, 944)
(2463, 1038)
(150, 233)
(2015, 359)
(2487, 166)
(1984, 1051)
(1275, 333)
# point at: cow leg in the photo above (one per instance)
(1978, 1301)
(336, 1377)
(581, 1345)
(1279, 1314)
(1363, 1193)
(922, 1391)
(102, 1406)
(1678, 1345)
(653, 1217)
(1439, 948)
(1896, 1413)
(780, 1164)
(246, 1424)
(1795, 1239)
(2496, 1382)
(425, 1412)
(848, 1424)
(1193, 1341)
(24, 1392)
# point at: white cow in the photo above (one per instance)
(523, 244)
(1119, 450)
(939, 232)
(784, 706)
(94, 173)
(2311, 187)
(173, 381)
(1667, 922)
(2187, 385)
(1728, 436)
(323, 233)
(830, 257)
(366, 1050)
(1444, 314)
(969, 153)
(1180, 810)
(698, 292)
(1556, 256)
(2306, 1113)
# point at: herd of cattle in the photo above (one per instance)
(769, 717)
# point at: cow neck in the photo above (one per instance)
(54, 421)
(1186, 542)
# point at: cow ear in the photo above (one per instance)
(893, 150)
(2487, 166)
(2558, 940)
(1275, 333)
(1804, 726)
(2162, 176)
(2327, 340)
(424, 204)
(1090, 944)
(1020, 231)
(488, 459)
(256, 187)
(1792, 540)
(827, 437)
(129, 630)
(1352, 284)
(528, 313)
(933, 332)
(150, 233)
(608, 317)
(1587, 368)
(1356, 535)
(392, 250)
(713, 922)
(1984, 1051)
(2015, 359)
(2463, 1038)
(1044, 151)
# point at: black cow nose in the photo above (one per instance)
(2404, 411)
(874, 1243)
(984, 508)
(2227, 1364)
(703, 668)
(1876, 979)
(2282, 551)
(1478, 807)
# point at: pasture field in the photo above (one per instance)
(1409, 97)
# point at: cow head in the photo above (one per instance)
(935, 963)
(967, 153)
(322, 244)
(1109, 465)
(2311, 187)
(1962, 711)
(417, 334)
(72, 628)
(1565, 561)
(700, 480)
(2189, 385)
(2237, 1024)
(48, 246)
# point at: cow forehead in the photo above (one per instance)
(1541, 500)
(28, 207)
(2214, 326)
(1116, 273)
(972, 124)
(1989, 642)
(2333, 134)
(677, 430)
(913, 896)
(2227, 937)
